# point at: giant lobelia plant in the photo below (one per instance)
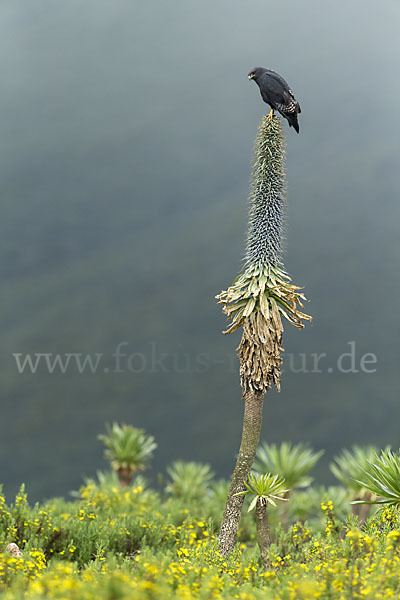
(256, 301)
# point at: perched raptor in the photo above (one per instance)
(275, 91)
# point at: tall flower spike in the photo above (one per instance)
(262, 293)
(267, 196)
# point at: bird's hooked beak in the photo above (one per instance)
(250, 75)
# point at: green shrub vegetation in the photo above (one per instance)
(113, 542)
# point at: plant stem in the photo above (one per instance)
(263, 533)
(285, 512)
(365, 509)
(252, 420)
(125, 476)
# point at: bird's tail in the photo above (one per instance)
(293, 122)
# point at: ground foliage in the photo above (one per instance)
(139, 543)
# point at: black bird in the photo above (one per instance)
(275, 91)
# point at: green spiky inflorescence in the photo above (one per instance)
(262, 293)
(267, 196)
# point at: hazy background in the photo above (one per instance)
(127, 130)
